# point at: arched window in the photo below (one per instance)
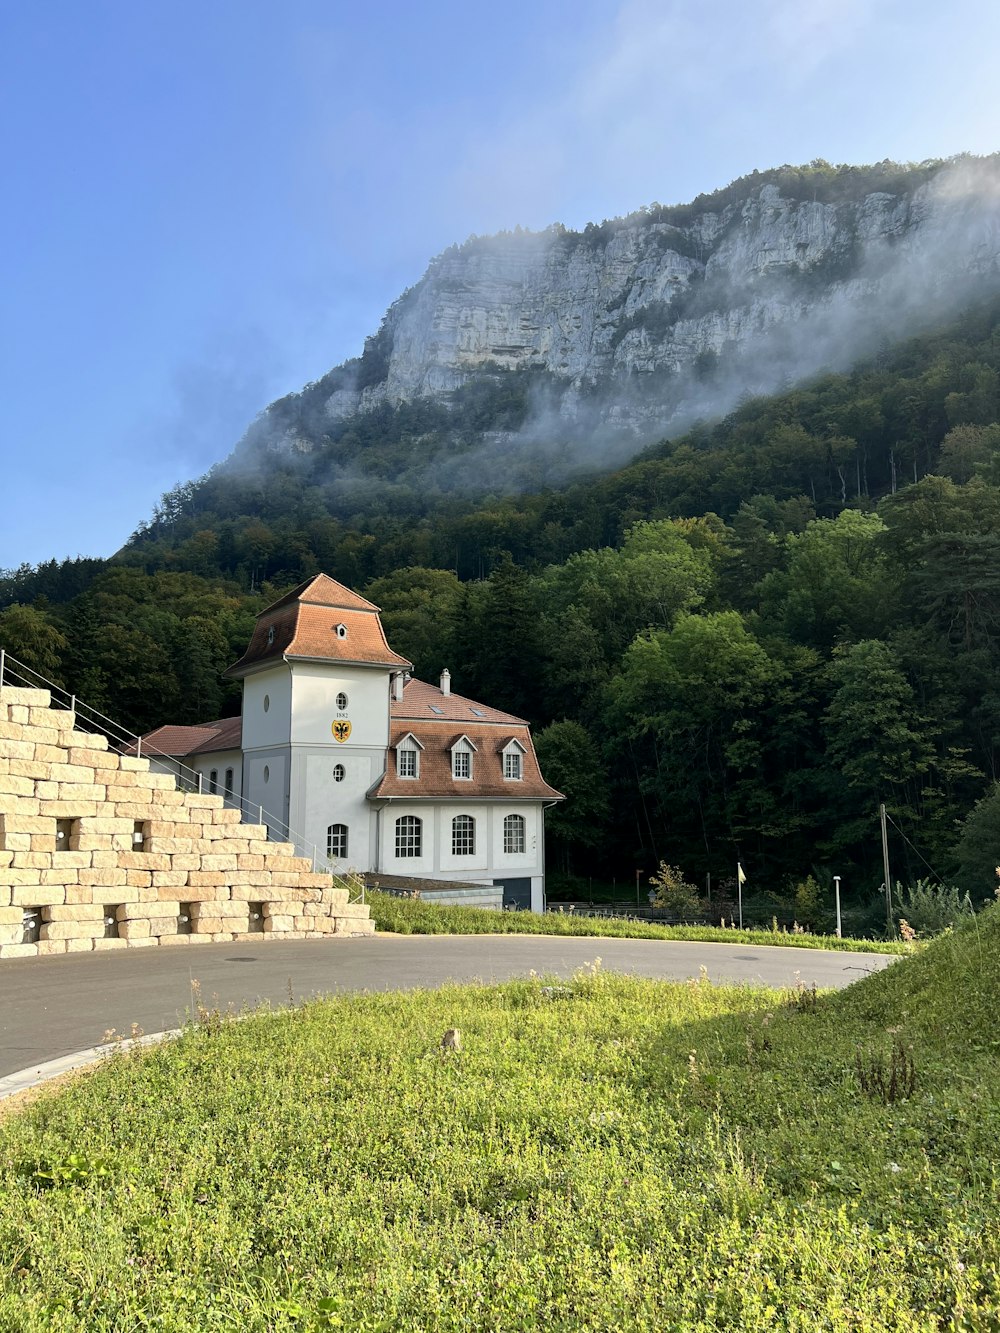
(213, 782)
(463, 836)
(513, 834)
(336, 841)
(229, 782)
(409, 831)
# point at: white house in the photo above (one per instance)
(356, 762)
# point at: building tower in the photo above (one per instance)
(317, 678)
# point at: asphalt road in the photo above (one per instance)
(53, 1007)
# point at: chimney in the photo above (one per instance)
(446, 681)
(398, 681)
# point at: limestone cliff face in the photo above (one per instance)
(678, 311)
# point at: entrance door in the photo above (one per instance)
(516, 893)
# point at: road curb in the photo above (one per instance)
(35, 1075)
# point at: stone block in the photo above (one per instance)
(130, 764)
(247, 861)
(11, 932)
(82, 946)
(212, 862)
(71, 930)
(17, 842)
(163, 927)
(143, 861)
(139, 879)
(47, 947)
(105, 946)
(79, 893)
(133, 930)
(104, 859)
(33, 860)
(204, 879)
(84, 743)
(166, 879)
(51, 754)
(18, 950)
(37, 895)
(90, 912)
(28, 695)
(59, 808)
(79, 791)
(277, 923)
(14, 877)
(19, 713)
(30, 768)
(104, 877)
(136, 911)
(17, 749)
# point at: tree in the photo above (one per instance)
(977, 851)
(571, 762)
(29, 635)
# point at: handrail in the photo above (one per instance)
(185, 777)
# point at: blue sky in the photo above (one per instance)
(208, 205)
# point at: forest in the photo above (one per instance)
(735, 646)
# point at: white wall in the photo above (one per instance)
(489, 860)
(218, 761)
(315, 687)
(267, 727)
(271, 791)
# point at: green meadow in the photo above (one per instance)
(410, 916)
(600, 1154)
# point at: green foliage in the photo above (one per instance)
(607, 1158)
(930, 908)
(673, 893)
(407, 916)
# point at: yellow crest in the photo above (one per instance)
(341, 730)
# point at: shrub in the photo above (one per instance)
(930, 908)
(672, 892)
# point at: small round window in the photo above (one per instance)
(338, 772)
(341, 631)
(267, 702)
(267, 773)
(341, 701)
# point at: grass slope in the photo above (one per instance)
(408, 916)
(608, 1154)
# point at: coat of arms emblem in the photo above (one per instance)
(341, 731)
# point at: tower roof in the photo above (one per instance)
(322, 621)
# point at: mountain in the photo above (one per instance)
(554, 349)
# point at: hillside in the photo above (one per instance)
(525, 356)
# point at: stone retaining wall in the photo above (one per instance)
(98, 852)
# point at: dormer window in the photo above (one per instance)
(461, 759)
(408, 757)
(341, 631)
(513, 761)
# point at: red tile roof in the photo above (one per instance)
(303, 624)
(421, 700)
(437, 733)
(201, 738)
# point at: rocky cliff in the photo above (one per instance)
(640, 324)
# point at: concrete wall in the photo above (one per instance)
(197, 866)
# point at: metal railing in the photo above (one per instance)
(131, 745)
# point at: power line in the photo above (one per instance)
(939, 878)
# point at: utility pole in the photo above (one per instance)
(885, 868)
